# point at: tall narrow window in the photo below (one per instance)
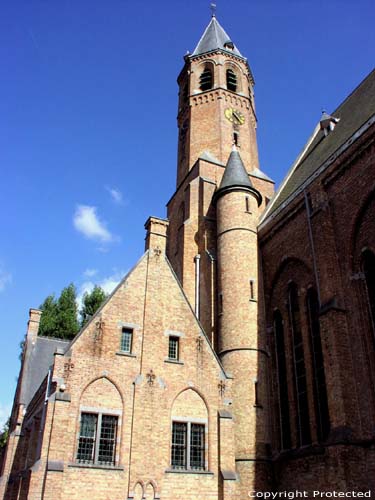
(285, 437)
(173, 348)
(220, 303)
(206, 79)
(369, 272)
(126, 340)
(252, 292)
(231, 80)
(235, 138)
(303, 419)
(188, 446)
(247, 201)
(320, 389)
(97, 439)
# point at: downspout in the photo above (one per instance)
(44, 413)
(308, 212)
(197, 259)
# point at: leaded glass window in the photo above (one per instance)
(188, 446)
(97, 439)
(173, 348)
(126, 340)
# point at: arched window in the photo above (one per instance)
(368, 266)
(285, 440)
(206, 79)
(320, 389)
(231, 80)
(303, 420)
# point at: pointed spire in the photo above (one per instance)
(236, 178)
(235, 174)
(215, 37)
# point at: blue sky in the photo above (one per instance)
(88, 104)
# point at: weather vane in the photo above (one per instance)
(213, 9)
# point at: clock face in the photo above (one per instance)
(234, 116)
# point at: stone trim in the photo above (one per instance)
(94, 409)
(172, 333)
(228, 475)
(63, 396)
(96, 466)
(173, 361)
(186, 471)
(55, 465)
(127, 354)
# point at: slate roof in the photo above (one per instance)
(235, 174)
(354, 112)
(214, 37)
(38, 360)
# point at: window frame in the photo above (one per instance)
(188, 446)
(99, 414)
(126, 330)
(172, 338)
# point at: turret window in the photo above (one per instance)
(231, 80)
(206, 79)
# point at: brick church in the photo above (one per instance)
(238, 355)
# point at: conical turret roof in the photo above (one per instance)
(235, 174)
(235, 177)
(215, 37)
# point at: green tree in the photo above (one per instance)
(91, 303)
(4, 435)
(67, 325)
(48, 326)
(59, 318)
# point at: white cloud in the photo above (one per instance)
(89, 273)
(5, 279)
(116, 195)
(5, 410)
(86, 221)
(108, 284)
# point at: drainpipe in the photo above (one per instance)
(308, 212)
(197, 259)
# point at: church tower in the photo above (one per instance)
(213, 242)
(216, 110)
(216, 103)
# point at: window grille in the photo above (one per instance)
(179, 449)
(97, 439)
(206, 79)
(231, 80)
(173, 348)
(126, 340)
(188, 446)
(197, 447)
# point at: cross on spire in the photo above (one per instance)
(213, 9)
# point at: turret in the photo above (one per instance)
(237, 204)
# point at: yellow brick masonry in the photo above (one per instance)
(93, 374)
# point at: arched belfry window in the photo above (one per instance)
(320, 389)
(300, 383)
(231, 80)
(285, 439)
(368, 266)
(206, 79)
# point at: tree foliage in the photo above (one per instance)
(59, 318)
(91, 303)
(4, 435)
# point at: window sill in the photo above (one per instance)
(95, 466)
(173, 361)
(186, 471)
(127, 354)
